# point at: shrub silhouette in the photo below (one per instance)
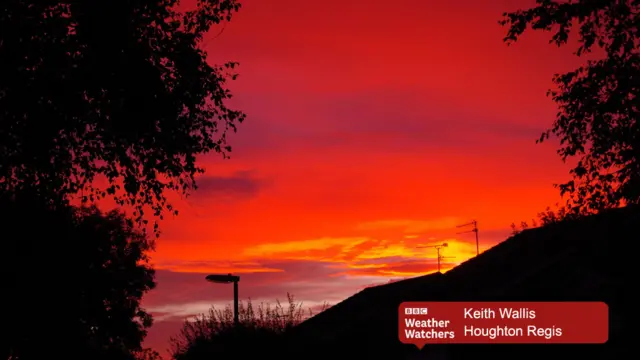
(260, 330)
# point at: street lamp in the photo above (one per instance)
(226, 279)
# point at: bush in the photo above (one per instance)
(259, 331)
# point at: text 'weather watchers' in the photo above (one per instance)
(422, 323)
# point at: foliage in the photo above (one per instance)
(598, 113)
(147, 354)
(560, 214)
(259, 330)
(547, 217)
(113, 90)
(73, 279)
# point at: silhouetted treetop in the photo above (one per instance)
(597, 121)
(119, 90)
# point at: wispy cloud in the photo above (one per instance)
(240, 185)
(204, 266)
(305, 249)
(411, 226)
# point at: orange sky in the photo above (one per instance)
(371, 128)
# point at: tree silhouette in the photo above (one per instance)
(147, 354)
(598, 103)
(113, 90)
(72, 282)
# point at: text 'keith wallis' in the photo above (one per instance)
(504, 313)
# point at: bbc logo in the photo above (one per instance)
(416, 311)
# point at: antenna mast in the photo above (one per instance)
(438, 248)
(475, 230)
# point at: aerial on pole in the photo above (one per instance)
(475, 230)
(438, 248)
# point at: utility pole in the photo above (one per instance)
(438, 248)
(475, 230)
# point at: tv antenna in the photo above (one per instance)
(475, 230)
(438, 248)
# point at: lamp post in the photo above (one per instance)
(226, 279)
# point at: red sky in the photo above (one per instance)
(372, 127)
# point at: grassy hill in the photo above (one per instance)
(586, 259)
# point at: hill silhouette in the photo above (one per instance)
(569, 261)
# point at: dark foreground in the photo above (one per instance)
(587, 259)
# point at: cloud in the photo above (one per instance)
(368, 255)
(240, 185)
(306, 249)
(356, 256)
(411, 226)
(408, 268)
(203, 266)
(386, 119)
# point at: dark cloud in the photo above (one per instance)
(241, 185)
(391, 119)
(219, 266)
(399, 115)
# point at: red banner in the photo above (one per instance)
(422, 323)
